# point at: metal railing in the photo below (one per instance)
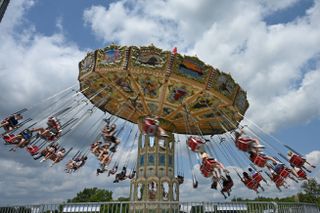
(165, 207)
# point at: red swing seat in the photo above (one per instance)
(278, 180)
(258, 160)
(207, 167)
(284, 172)
(227, 187)
(206, 173)
(195, 143)
(32, 149)
(8, 138)
(243, 144)
(302, 174)
(257, 177)
(149, 126)
(297, 161)
(251, 184)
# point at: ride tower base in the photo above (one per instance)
(155, 179)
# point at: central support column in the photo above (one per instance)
(155, 180)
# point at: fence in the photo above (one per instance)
(165, 207)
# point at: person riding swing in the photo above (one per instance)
(108, 134)
(227, 184)
(22, 139)
(121, 176)
(247, 144)
(10, 123)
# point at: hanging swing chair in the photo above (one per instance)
(195, 144)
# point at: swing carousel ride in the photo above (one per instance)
(174, 110)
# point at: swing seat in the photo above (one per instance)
(243, 144)
(251, 184)
(205, 172)
(8, 138)
(32, 149)
(228, 187)
(257, 177)
(302, 174)
(297, 161)
(195, 143)
(150, 127)
(284, 172)
(258, 160)
(278, 180)
(208, 163)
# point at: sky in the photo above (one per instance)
(271, 48)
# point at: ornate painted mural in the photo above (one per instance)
(87, 64)
(178, 92)
(109, 56)
(149, 57)
(241, 101)
(150, 85)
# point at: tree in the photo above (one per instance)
(92, 195)
(311, 187)
(311, 192)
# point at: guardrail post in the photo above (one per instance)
(275, 205)
(120, 206)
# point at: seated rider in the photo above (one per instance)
(11, 122)
(59, 155)
(113, 170)
(22, 139)
(261, 157)
(51, 132)
(75, 164)
(103, 168)
(95, 148)
(296, 159)
(254, 173)
(108, 134)
(278, 167)
(122, 175)
(132, 174)
(227, 184)
(253, 143)
(49, 149)
(152, 126)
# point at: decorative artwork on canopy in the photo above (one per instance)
(225, 84)
(150, 86)
(153, 108)
(122, 81)
(208, 115)
(202, 102)
(193, 68)
(178, 116)
(149, 57)
(167, 110)
(178, 92)
(110, 56)
(87, 64)
(241, 101)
